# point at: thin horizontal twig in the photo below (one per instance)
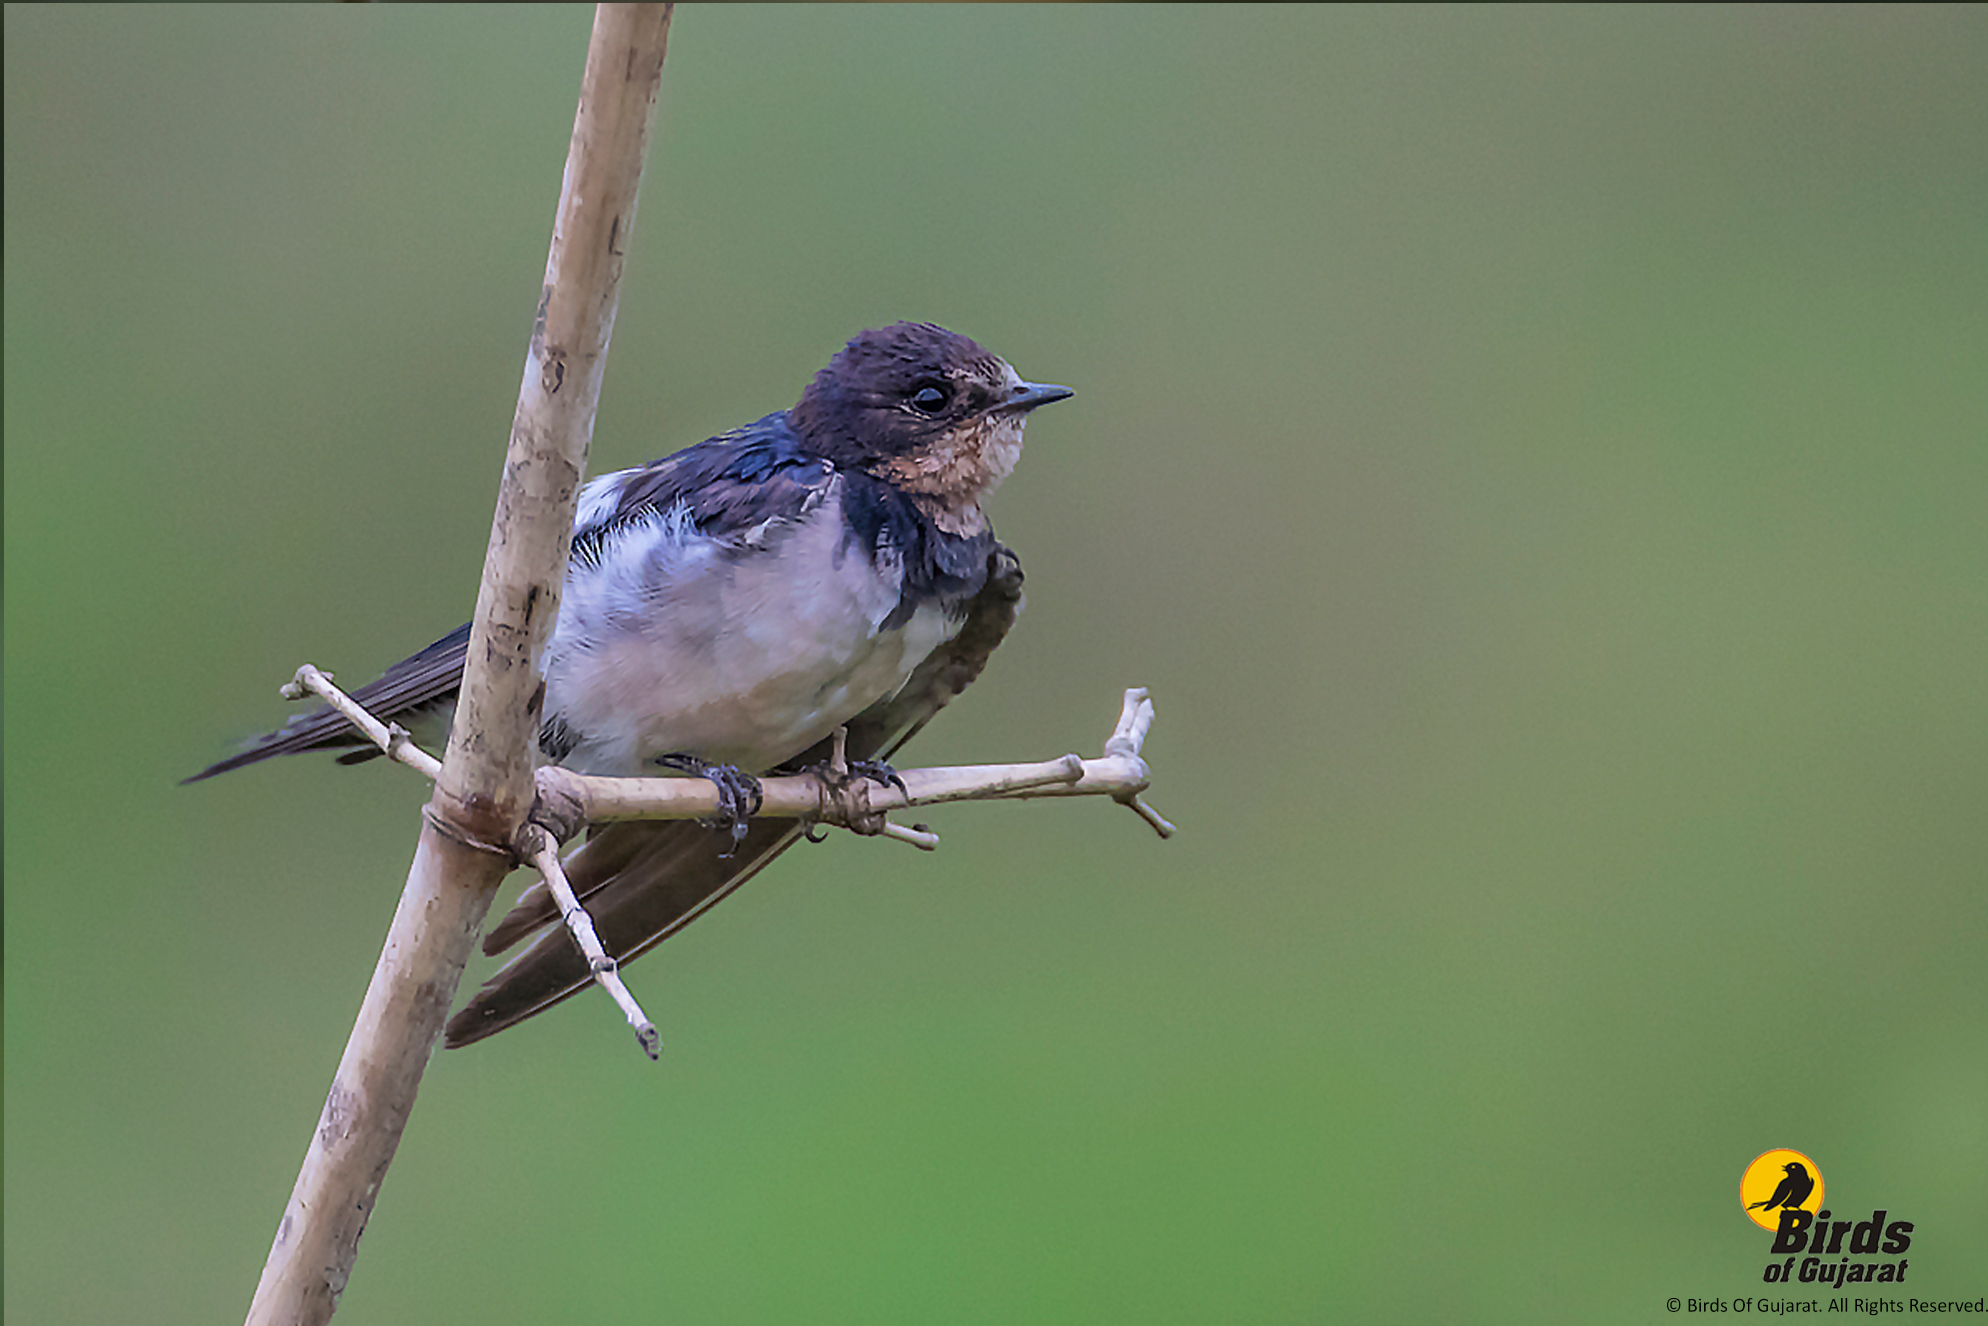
(856, 804)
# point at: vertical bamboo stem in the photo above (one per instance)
(485, 787)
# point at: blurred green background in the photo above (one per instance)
(1536, 458)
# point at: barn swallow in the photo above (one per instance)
(725, 609)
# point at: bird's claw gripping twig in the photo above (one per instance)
(839, 774)
(839, 771)
(876, 771)
(738, 794)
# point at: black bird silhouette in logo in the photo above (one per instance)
(1792, 1191)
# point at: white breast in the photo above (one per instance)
(746, 655)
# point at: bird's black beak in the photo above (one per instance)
(1027, 395)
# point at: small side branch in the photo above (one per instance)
(544, 853)
(389, 737)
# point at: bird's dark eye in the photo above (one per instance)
(929, 399)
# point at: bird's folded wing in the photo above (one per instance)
(432, 675)
(642, 881)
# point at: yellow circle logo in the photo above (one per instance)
(1780, 1180)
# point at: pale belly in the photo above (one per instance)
(744, 660)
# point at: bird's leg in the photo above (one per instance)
(838, 770)
(738, 792)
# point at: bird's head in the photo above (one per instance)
(927, 410)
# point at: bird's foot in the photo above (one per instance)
(839, 774)
(844, 772)
(738, 793)
(879, 773)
